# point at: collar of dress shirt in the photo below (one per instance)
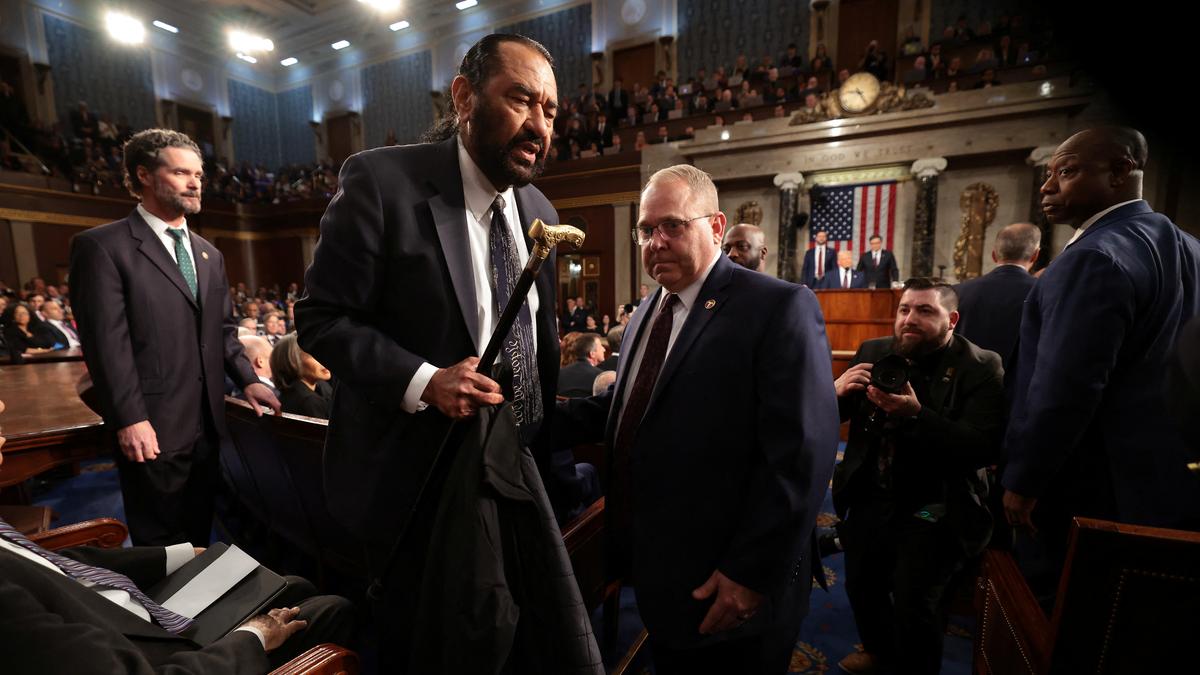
(1092, 221)
(478, 191)
(688, 295)
(158, 224)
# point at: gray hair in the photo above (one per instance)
(699, 183)
(1018, 242)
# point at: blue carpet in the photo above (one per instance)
(828, 633)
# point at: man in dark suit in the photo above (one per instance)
(576, 379)
(746, 246)
(911, 486)
(426, 219)
(602, 135)
(152, 305)
(57, 618)
(990, 306)
(618, 100)
(818, 260)
(845, 276)
(878, 265)
(258, 353)
(1090, 434)
(614, 348)
(715, 521)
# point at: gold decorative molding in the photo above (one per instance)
(876, 174)
(596, 200)
(50, 217)
(978, 202)
(212, 234)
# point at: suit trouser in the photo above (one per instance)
(330, 619)
(897, 570)
(170, 499)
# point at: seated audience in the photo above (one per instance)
(61, 333)
(302, 379)
(258, 353)
(604, 380)
(576, 378)
(614, 342)
(20, 332)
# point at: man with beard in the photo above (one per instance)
(911, 488)
(152, 305)
(436, 231)
(746, 246)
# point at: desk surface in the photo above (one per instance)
(41, 400)
(72, 354)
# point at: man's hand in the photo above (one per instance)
(734, 605)
(278, 625)
(258, 394)
(459, 391)
(198, 550)
(904, 404)
(138, 442)
(856, 378)
(1018, 509)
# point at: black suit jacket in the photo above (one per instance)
(833, 280)
(391, 287)
(741, 498)
(882, 275)
(153, 351)
(51, 623)
(808, 271)
(576, 379)
(956, 434)
(990, 308)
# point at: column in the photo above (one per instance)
(1038, 160)
(789, 188)
(308, 243)
(925, 224)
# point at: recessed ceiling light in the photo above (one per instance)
(247, 58)
(382, 5)
(340, 44)
(165, 26)
(466, 4)
(399, 25)
(245, 42)
(125, 28)
(289, 61)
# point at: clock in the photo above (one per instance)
(858, 93)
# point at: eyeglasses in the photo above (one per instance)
(670, 229)
(741, 246)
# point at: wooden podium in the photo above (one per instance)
(855, 316)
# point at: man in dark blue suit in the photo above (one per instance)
(990, 306)
(715, 518)
(819, 257)
(844, 276)
(1090, 434)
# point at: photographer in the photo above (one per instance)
(926, 411)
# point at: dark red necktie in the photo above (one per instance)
(635, 408)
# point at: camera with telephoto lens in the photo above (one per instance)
(888, 375)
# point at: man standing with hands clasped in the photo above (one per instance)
(152, 304)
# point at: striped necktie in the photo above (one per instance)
(100, 577)
(185, 261)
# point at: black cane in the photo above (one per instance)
(545, 239)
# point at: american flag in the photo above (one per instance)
(852, 214)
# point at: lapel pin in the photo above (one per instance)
(710, 304)
(204, 254)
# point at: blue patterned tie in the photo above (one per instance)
(100, 577)
(184, 260)
(519, 359)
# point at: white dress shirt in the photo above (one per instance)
(478, 195)
(1092, 221)
(160, 228)
(679, 315)
(72, 340)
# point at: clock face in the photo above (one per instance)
(858, 93)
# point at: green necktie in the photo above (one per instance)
(184, 260)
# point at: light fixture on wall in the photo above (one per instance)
(289, 61)
(340, 44)
(246, 43)
(466, 4)
(124, 28)
(165, 26)
(399, 25)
